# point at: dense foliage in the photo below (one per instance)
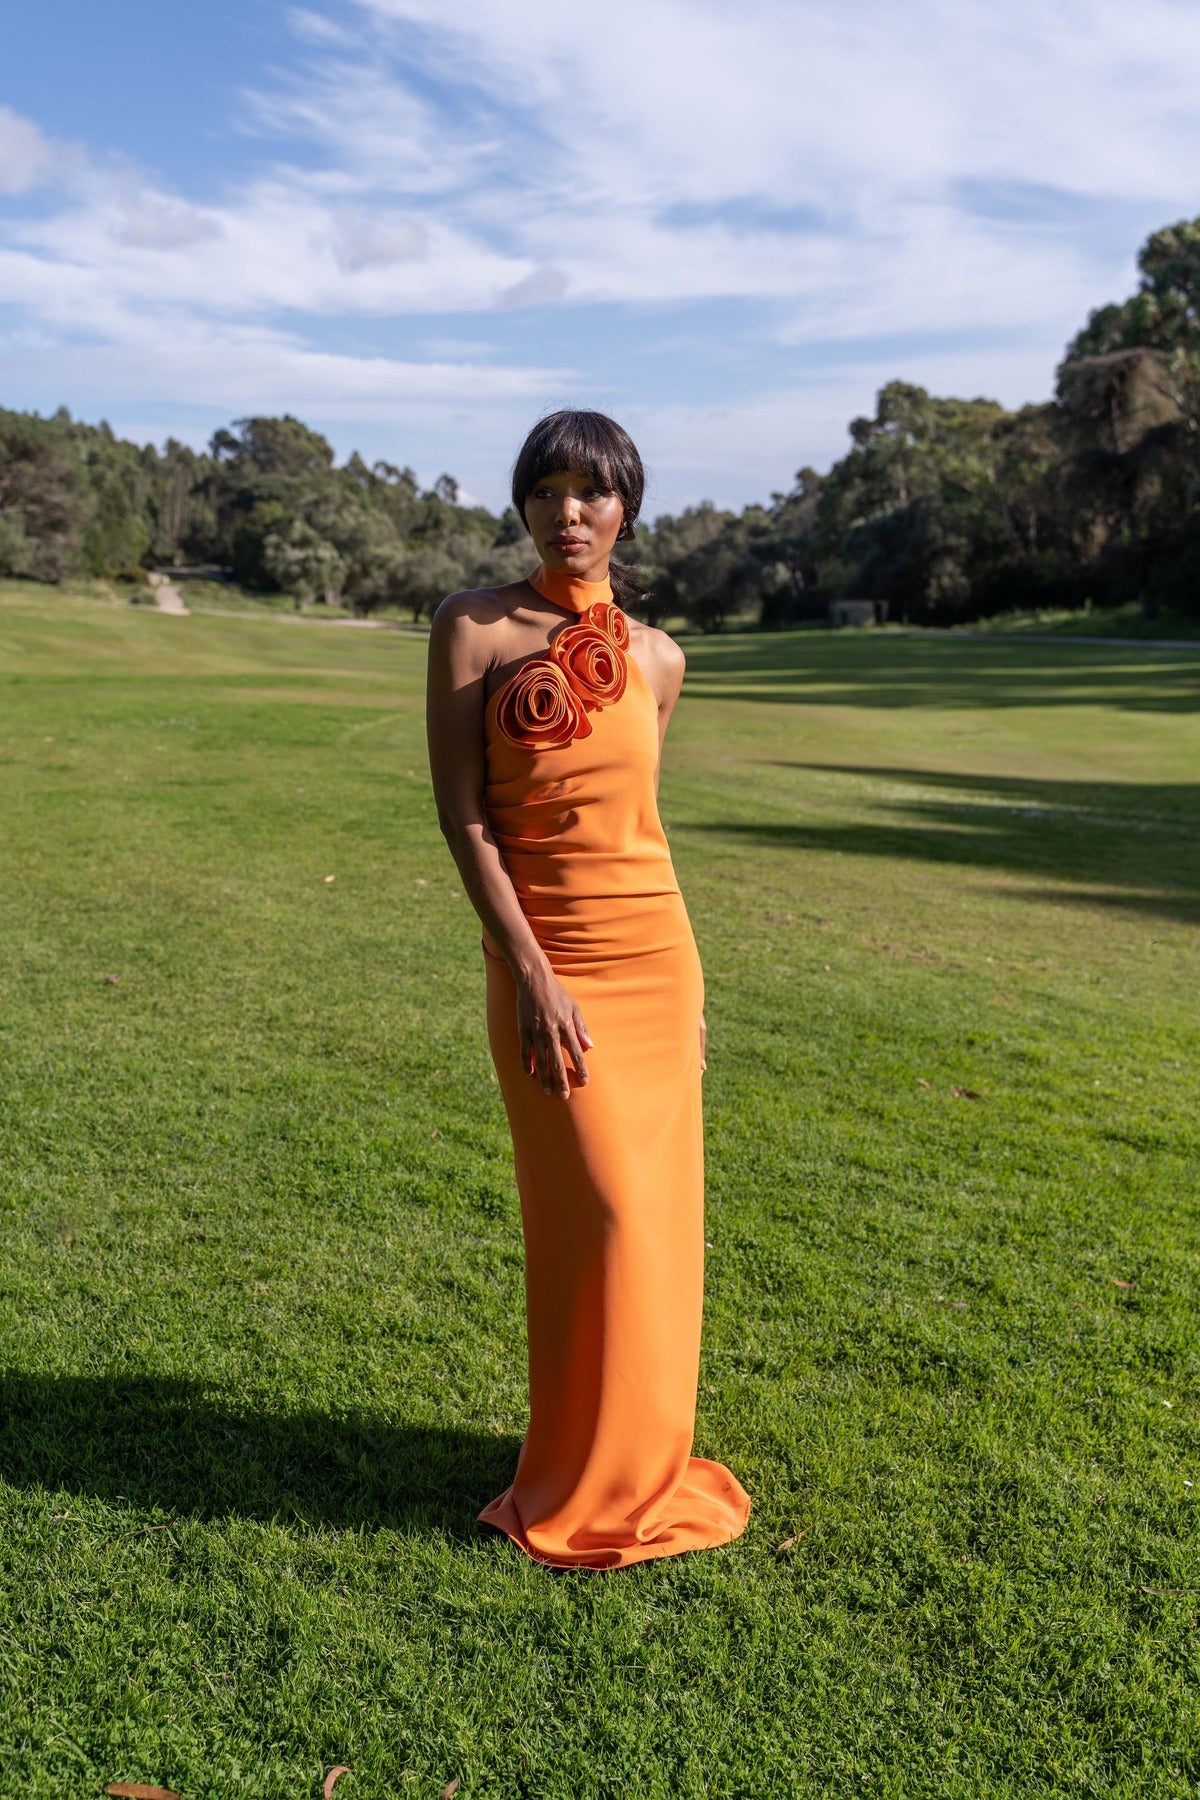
(954, 509)
(945, 509)
(265, 503)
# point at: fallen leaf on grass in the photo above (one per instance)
(112, 980)
(921, 1082)
(335, 1775)
(140, 1790)
(330, 878)
(790, 1543)
(962, 1093)
(450, 1789)
(1117, 1282)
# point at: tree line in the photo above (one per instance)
(948, 510)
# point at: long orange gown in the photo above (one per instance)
(611, 1180)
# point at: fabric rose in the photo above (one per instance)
(609, 618)
(591, 662)
(539, 709)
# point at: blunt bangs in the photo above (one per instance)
(590, 442)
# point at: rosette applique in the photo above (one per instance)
(547, 701)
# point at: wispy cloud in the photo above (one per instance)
(852, 179)
(28, 158)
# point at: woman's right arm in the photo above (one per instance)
(549, 1022)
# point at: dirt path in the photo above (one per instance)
(167, 596)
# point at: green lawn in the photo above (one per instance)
(260, 1263)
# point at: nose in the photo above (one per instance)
(568, 509)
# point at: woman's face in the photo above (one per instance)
(573, 523)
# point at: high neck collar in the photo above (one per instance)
(568, 590)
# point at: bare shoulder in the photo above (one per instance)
(476, 606)
(658, 651)
(472, 627)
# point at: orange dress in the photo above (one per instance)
(611, 1180)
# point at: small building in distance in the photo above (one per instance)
(857, 612)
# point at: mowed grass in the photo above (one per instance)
(261, 1305)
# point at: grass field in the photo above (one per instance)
(261, 1328)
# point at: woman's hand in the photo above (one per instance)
(703, 1041)
(550, 1023)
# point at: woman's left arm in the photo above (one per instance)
(666, 677)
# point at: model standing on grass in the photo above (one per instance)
(547, 710)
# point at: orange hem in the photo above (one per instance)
(623, 1557)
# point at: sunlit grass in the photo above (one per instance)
(260, 1271)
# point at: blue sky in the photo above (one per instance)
(728, 226)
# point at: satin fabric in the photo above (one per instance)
(611, 1180)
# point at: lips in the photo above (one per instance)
(568, 543)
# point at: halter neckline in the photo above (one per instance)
(568, 590)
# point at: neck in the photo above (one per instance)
(567, 590)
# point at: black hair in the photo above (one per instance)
(598, 447)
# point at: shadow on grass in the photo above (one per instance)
(1138, 840)
(895, 672)
(159, 1444)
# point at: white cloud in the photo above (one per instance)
(804, 100)
(158, 225)
(28, 159)
(541, 287)
(362, 244)
(860, 173)
(259, 369)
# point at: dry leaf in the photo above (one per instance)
(962, 1093)
(921, 1082)
(790, 1543)
(112, 980)
(1117, 1282)
(450, 1789)
(435, 1133)
(330, 878)
(140, 1790)
(335, 1775)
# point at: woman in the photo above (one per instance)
(547, 708)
